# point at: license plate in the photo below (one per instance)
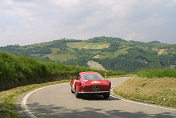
(95, 88)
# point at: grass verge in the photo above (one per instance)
(159, 73)
(161, 91)
(8, 98)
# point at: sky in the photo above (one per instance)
(25, 22)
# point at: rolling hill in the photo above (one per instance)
(103, 52)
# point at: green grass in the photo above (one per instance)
(159, 73)
(114, 54)
(156, 86)
(85, 45)
(160, 91)
(54, 50)
(121, 51)
(8, 98)
(61, 57)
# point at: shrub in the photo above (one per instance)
(21, 70)
(159, 73)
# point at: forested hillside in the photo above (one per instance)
(112, 53)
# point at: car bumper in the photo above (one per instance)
(94, 92)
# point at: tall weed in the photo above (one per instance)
(159, 73)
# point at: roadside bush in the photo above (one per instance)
(21, 70)
(159, 73)
(113, 73)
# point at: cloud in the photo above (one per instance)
(172, 3)
(133, 36)
(29, 21)
(157, 20)
(65, 2)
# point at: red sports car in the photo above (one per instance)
(90, 83)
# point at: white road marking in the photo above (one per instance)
(24, 100)
(114, 95)
(31, 115)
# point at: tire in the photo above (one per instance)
(72, 91)
(77, 94)
(106, 95)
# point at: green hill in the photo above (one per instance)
(111, 53)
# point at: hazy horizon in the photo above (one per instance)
(76, 39)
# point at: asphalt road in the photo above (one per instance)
(58, 102)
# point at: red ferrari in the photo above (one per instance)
(90, 83)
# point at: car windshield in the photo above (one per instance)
(92, 77)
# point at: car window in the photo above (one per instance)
(92, 77)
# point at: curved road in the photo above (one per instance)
(58, 102)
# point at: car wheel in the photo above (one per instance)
(106, 95)
(77, 94)
(72, 91)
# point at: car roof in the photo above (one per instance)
(82, 73)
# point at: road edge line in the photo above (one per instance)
(24, 100)
(141, 103)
